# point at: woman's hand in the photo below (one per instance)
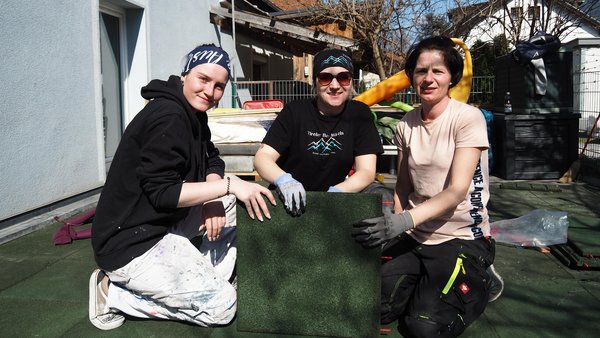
(251, 194)
(213, 219)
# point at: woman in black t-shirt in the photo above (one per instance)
(313, 143)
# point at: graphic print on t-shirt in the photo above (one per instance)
(477, 202)
(323, 143)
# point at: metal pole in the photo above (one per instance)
(233, 81)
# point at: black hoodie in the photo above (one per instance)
(167, 143)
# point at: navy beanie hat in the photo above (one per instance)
(332, 57)
(206, 54)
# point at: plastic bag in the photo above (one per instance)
(538, 228)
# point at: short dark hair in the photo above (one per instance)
(446, 46)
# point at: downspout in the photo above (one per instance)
(233, 80)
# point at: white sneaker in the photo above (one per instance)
(496, 284)
(100, 315)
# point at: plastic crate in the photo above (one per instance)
(519, 80)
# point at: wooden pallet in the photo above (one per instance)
(248, 176)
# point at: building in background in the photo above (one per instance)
(521, 19)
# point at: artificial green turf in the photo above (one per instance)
(306, 275)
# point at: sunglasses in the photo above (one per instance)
(343, 78)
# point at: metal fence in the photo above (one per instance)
(284, 90)
(482, 91)
(586, 93)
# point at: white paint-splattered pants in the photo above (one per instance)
(173, 280)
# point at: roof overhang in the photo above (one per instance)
(582, 42)
(291, 37)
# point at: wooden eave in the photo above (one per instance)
(292, 37)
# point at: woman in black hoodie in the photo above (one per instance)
(165, 186)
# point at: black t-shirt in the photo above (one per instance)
(319, 150)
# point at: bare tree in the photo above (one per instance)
(383, 28)
(434, 25)
(522, 19)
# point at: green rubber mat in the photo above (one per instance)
(540, 290)
(306, 275)
(582, 250)
(44, 291)
(514, 199)
(584, 232)
(570, 256)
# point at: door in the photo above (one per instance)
(111, 68)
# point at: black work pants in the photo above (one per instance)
(435, 290)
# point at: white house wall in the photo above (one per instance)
(590, 59)
(51, 111)
(48, 108)
(586, 81)
(174, 28)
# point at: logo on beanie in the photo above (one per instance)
(206, 54)
(331, 57)
(337, 60)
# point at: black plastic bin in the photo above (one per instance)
(534, 146)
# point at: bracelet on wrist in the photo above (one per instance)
(228, 185)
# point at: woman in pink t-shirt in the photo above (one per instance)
(438, 279)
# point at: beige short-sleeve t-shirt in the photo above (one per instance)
(430, 147)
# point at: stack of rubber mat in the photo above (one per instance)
(581, 251)
(306, 275)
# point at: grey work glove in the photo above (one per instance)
(292, 194)
(372, 232)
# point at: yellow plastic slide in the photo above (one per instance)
(395, 83)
